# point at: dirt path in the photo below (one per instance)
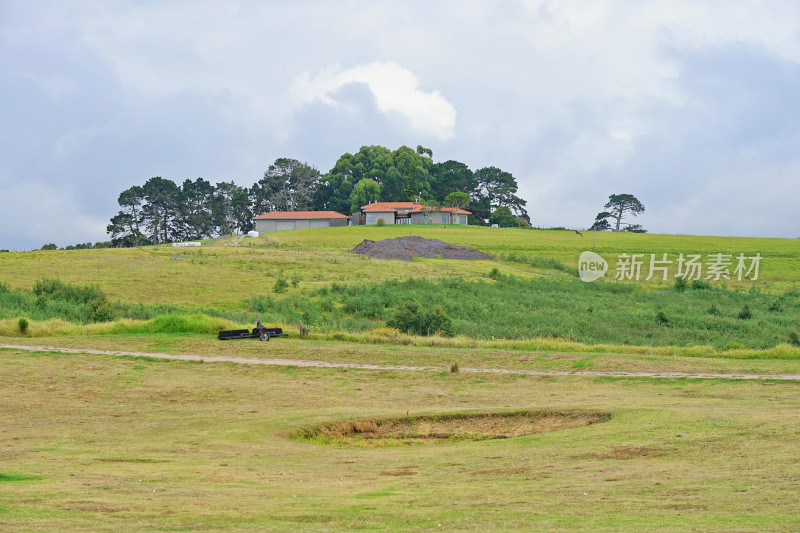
(367, 366)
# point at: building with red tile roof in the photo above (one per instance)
(411, 212)
(285, 220)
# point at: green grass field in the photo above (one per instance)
(105, 443)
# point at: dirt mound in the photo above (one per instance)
(407, 248)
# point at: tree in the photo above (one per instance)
(503, 217)
(196, 217)
(601, 222)
(366, 191)
(452, 176)
(161, 196)
(635, 228)
(456, 200)
(500, 188)
(621, 205)
(287, 185)
(231, 208)
(124, 226)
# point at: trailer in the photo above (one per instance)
(262, 333)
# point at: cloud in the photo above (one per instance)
(394, 89)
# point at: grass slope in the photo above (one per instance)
(529, 292)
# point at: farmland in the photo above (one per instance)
(104, 442)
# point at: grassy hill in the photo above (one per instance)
(530, 292)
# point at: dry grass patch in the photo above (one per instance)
(450, 427)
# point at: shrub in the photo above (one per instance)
(698, 284)
(281, 285)
(713, 310)
(662, 318)
(22, 325)
(416, 321)
(295, 280)
(745, 313)
(494, 273)
(680, 284)
(777, 306)
(794, 338)
(86, 303)
(381, 223)
(454, 368)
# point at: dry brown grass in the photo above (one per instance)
(449, 427)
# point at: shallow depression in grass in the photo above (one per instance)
(447, 427)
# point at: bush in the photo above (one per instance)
(86, 303)
(494, 273)
(381, 223)
(23, 326)
(745, 313)
(713, 310)
(411, 319)
(662, 318)
(777, 306)
(281, 285)
(794, 338)
(681, 284)
(698, 284)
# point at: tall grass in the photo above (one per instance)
(512, 308)
(53, 298)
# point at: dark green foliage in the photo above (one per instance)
(680, 284)
(53, 298)
(50, 246)
(503, 217)
(89, 302)
(794, 338)
(416, 320)
(745, 313)
(699, 284)
(714, 310)
(281, 285)
(494, 273)
(777, 306)
(620, 206)
(22, 325)
(661, 318)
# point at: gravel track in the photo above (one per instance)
(406, 368)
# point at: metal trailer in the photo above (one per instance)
(264, 334)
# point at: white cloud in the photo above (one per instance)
(394, 88)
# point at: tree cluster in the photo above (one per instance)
(161, 211)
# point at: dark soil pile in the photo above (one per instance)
(407, 248)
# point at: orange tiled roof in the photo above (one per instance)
(296, 215)
(389, 206)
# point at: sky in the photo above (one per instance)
(692, 106)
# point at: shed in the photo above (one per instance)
(284, 220)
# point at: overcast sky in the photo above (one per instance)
(692, 106)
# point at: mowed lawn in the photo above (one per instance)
(101, 443)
